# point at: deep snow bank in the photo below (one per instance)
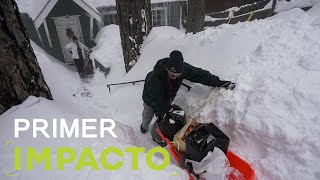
(68, 104)
(272, 117)
(285, 5)
(108, 51)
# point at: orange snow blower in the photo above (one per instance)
(245, 170)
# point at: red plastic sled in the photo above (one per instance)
(242, 166)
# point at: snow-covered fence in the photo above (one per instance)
(240, 11)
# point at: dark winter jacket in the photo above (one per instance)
(159, 91)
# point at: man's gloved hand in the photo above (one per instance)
(228, 85)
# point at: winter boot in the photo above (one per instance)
(143, 130)
(162, 143)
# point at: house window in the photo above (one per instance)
(110, 18)
(159, 17)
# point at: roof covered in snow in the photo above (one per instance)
(35, 7)
(31, 7)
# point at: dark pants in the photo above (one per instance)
(147, 115)
(79, 64)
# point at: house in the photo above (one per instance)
(48, 21)
(164, 12)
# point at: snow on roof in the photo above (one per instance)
(35, 7)
(90, 4)
(31, 7)
(100, 3)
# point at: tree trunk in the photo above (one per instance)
(196, 13)
(20, 74)
(135, 23)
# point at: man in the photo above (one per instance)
(161, 85)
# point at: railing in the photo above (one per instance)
(247, 11)
(246, 7)
(133, 82)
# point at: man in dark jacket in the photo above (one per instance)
(162, 84)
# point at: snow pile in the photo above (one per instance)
(157, 45)
(314, 11)
(272, 116)
(108, 51)
(284, 5)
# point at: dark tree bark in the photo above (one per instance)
(20, 74)
(135, 23)
(196, 14)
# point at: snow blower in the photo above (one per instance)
(195, 141)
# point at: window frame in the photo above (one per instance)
(165, 14)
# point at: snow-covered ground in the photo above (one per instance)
(272, 117)
(73, 98)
